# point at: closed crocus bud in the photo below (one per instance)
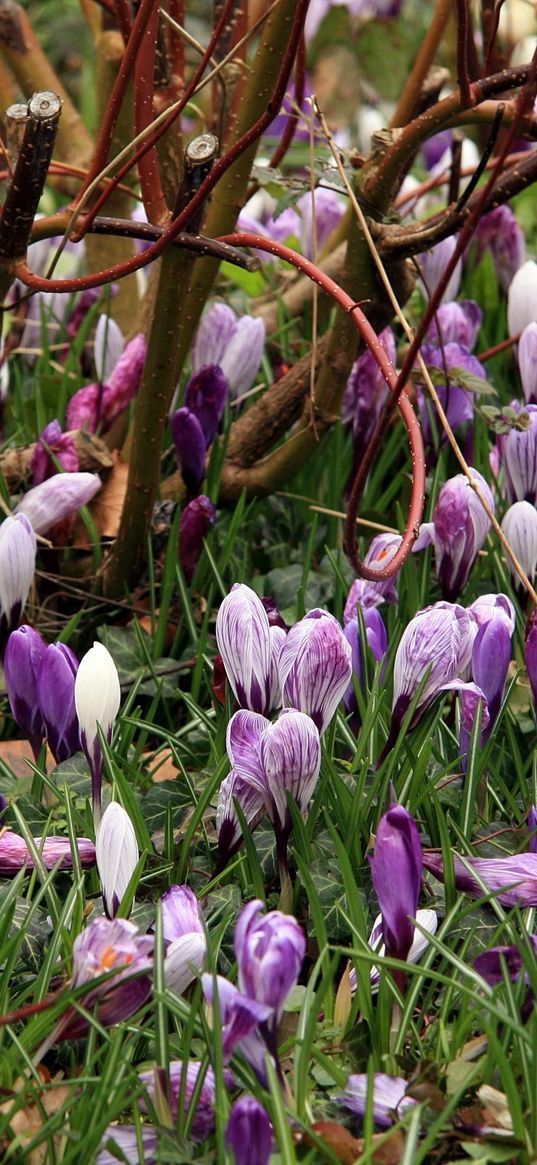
(244, 642)
(396, 869)
(522, 298)
(520, 528)
(53, 443)
(487, 607)
(456, 323)
(527, 362)
(117, 855)
(97, 700)
(242, 359)
(56, 695)
(377, 642)
(84, 408)
(269, 949)
(364, 593)
(115, 946)
(436, 646)
(249, 1132)
(491, 656)
(499, 233)
(17, 566)
(206, 395)
(530, 655)
(456, 400)
(197, 519)
(124, 381)
(57, 498)
(189, 443)
(497, 962)
(366, 392)
(389, 1097)
(518, 872)
(315, 666)
(532, 827)
(184, 936)
(517, 452)
(25, 651)
(53, 851)
(460, 528)
(432, 265)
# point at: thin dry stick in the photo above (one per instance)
(423, 369)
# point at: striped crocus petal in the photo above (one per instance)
(244, 642)
(182, 1092)
(290, 753)
(243, 740)
(184, 960)
(240, 1017)
(121, 1143)
(184, 937)
(389, 1096)
(117, 855)
(520, 528)
(437, 645)
(512, 879)
(236, 788)
(518, 456)
(427, 920)
(315, 665)
(14, 853)
(460, 528)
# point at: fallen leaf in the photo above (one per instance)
(497, 1106)
(18, 755)
(348, 1148)
(107, 507)
(162, 767)
(29, 1118)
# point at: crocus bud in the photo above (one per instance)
(432, 265)
(108, 345)
(244, 642)
(499, 232)
(252, 802)
(53, 851)
(61, 445)
(366, 392)
(517, 451)
(114, 945)
(456, 323)
(57, 498)
(364, 593)
(512, 879)
(124, 380)
(235, 345)
(249, 1132)
(315, 666)
(97, 700)
(487, 607)
(269, 949)
(117, 855)
(205, 395)
(435, 646)
(491, 656)
(532, 827)
(531, 655)
(522, 298)
(520, 528)
(320, 214)
(494, 963)
(527, 362)
(377, 642)
(290, 753)
(24, 655)
(189, 443)
(389, 1097)
(56, 696)
(240, 1020)
(17, 565)
(460, 528)
(396, 869)
(427, 923)
(184, 936)
(456, 400)
(197, 518)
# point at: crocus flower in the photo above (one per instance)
(97, 700)
(203, 1122)
(396, 869)
(491, 656)
(205, 395)
(319, 216)
(532, 827)
(109, 945)
(519, 525)
(197, 519)
(456, 323)
(427, 921)
(25, 650)
(269, 949)
(252, 802)
(249, 1132)
(518, 872)
(315, 666)
(54, 446)
(487, 607)
(457, 401)
(117, 855)
(364, 593)
(56, 696)
(184, 937)
(517, 452)
(365, 394)
(189, 442)
(377, 642)
(499, 233)
(432, 265)
(235, 345)
(436, 647)
(124, 1140)
(530, 654)
(17, 565)
(57, 498)
(97, 405)
(527, 362)
(389, 1096)
(490, 964)
(14, 853)
(245, 644)
(459, 528)
(108, 346)
(240, 1019)
(522, 298)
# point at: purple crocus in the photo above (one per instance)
(240, 1021)
(499, 233)
(56, 696)
(530, 654)
(14, 853)
(492, 963)
(512, 879)
(432, 265)
(270, 950)
(25, 651)
(100, 405)
(197, 519)
(519, 525)
(184, 937)
(113, 946)
(53, 447)
(117, 855)
(365, 393)
(244, 639)
(389, 1096)
(527, 362)
(236, 788)
(189, 442)
(488, 607)
(97, 700)
(517, 451)
(377, 641)
(315, 666)
(17, 566)
(532, 827)
(206, 395)
(319, 215)
(491, 656)
(57, 498)
(459, 528)
(396, 869)
(434, 648)
(522, 298)
(456, 323)
(364, 593)
(249, 1132)
(182, 1093)
(235, 345)
(453, 361)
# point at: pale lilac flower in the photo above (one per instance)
(456, 400)
(396, 869)
(427, 921)
(436, 647)
(491, 656)
(522, 298)
(432, 265)
(184, 937)
(203, 1122)
(249, 1132)
(14, 853)
(117, 855)
(320, 214)
(456, 323)
(512, 879)
(240, 1019)
(17, 566)
(53, 443)
(109, 945)
(389, 1097)
(517, 451)
(487, 607)
(519, 525)
(315, 666)
(270, 950)
(460, 526)
(197, 519)
(527, 362)
(100, 405)
(25, 650)
(471, 698)
(236, 345)
(125, 1141)
(363, 593)
(57, 498)
(252, 803)
(97, 700)
(499, 233)
(366, 393)
(56, 696)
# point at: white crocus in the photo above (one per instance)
(97, 700)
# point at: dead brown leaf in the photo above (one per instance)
(162, 766)
(17, 753)
(29, 1118)
(107, 507)
(348, 1148)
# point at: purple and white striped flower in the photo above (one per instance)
(432, 265)
(517, 451)
(456, 323)
(527, 362)
(512, 879)
(113, 946)
(14, 853)
(56, 498)
(519, 525)
(270, 950)
(17, 566)
(315, 666)
(246, 646)
(184, 937)
(364, 593)
(499, 233)
(435, 648)
(426, 924)
(389, 1100)
(203, 1123)
(487, 607)
(124, 1139)
(459, 528)
(240, 1019)
(117, 855)
(522, 298)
